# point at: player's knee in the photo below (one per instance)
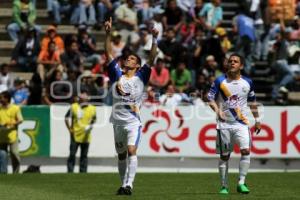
(245, 152)
(225, 157)
(122, 156)
(131, 150)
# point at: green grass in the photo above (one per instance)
(147, 186)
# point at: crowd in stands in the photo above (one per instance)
(193, 47)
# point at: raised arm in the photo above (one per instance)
(108, 49)
(153, 50)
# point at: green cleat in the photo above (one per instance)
(224, 190)
(243, 189)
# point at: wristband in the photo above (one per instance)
(257, 120)
(154, 40)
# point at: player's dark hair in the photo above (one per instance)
(6, 95)
(242, 59)
(139, 60)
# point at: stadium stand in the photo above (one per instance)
(263, 76)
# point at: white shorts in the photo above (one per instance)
(226, 138)
(126, 135)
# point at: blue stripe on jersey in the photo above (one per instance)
(138, 137)
(144, 73)
(251, 94)
(114, 71)
(215, 88)
(132, 112)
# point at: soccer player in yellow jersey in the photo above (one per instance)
(82, 116)
(10, 118)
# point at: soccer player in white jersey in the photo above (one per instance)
(228, 97)
(128, 85)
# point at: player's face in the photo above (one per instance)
(234, 64)
(131, 62)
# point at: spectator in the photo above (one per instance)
(243, 25)
(210, 67)
(24, 15)
(187, 33)
(143, 46)
(151, 98)
(195, 10)
(20, 93)
(56, 91)
(126, 16)
(72, 59)
(202, 86)
(171, 98)
(10, 118)
(49, 61)
(170, 47)
(145, 13)
(53, 36)
(26, 51)
(284, 75)
(173, 16)
(211, 15)
(87, 13)
(157, 21)
(117, 44)
(82, 116)
(225, 42)
(104, 7)
(181, 77)
(56, 8)
(160, 76)
(87, 46)
(35, 90)
(73, 80)
(6, 81)
(195, 49)
(87, 83)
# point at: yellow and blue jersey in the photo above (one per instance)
(232, 97)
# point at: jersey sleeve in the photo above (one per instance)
(114, 71)
(144, 73)
(251, 94)
(213, 91)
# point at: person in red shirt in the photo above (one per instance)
(160, 76)
(48, 61)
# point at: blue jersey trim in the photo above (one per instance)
(114, 71)
(144, 73)
(138, 137)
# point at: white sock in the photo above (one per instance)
(132, 166)
(223, 171)
(122, 167)
(243, 168)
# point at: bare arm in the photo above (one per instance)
(153, 50)
(108, 48)
(254, 111)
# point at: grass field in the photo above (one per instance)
(147, 186)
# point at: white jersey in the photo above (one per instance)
(127, 94)
(232, 97)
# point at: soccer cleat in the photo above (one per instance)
(121, 191)
(224, 190)
(127, 190)
(243, 189)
